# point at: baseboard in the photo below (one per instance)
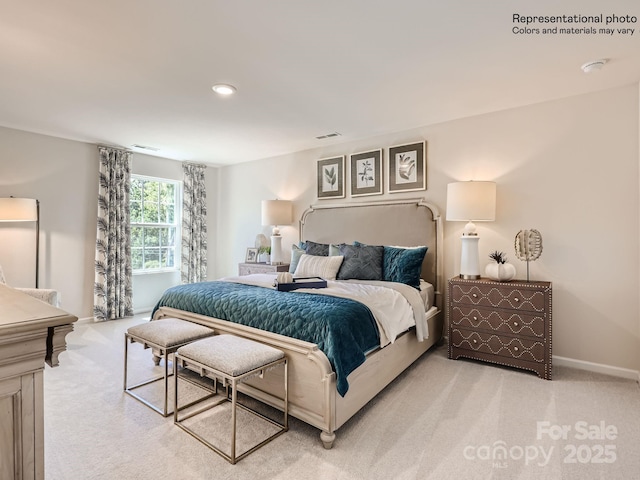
(597, 367)
(137, 311)
(590, 366)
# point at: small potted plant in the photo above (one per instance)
(264, 254)
(499, 269)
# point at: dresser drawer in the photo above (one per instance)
(251, 268)
(497, 296)
(498, 321)
(498, 345)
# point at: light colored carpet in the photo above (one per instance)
(441, 419)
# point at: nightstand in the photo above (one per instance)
(508, 323)
(249, 268)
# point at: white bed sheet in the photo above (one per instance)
(396, 307)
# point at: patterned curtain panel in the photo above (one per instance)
(194, 224)
(112, 290)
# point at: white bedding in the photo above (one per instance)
(396, 307)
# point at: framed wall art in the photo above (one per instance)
(407, 167)
(331, 178)
(366, 173)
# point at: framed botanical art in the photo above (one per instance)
(366, 173)
(331, 177)
(407, 167)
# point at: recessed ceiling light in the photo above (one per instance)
(224, 89)
(593, 65)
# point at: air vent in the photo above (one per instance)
(144, 147)
(329, 135)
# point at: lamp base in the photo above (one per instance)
(276, 250)
(470, 261)
(469, 277)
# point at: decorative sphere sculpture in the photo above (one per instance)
(528, 245)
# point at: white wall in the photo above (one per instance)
(63, 175)
(569, 168)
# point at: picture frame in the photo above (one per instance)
(330, 177)
(365, 175)
(407, 167)
(251, 255)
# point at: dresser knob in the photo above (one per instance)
(517, 299)
(474, 295)
(475, 318)
(515, 324)
(475, 341)
(515, 349)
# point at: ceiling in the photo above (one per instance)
(126, 72)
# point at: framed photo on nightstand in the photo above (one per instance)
(251, 256)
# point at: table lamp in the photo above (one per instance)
(276, 212)
(471, 202)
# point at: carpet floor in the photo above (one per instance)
(441, 419)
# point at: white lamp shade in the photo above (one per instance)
(471, 201)
(18, 209)
(277, 212)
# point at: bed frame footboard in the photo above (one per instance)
(313, 397)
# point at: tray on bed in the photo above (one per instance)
(303, 282)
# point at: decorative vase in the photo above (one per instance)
(264, 258)
(502, 272)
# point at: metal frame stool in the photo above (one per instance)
(230, 360)
(165, 336)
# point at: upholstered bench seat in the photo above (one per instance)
(232, 360)
(231, 355)
(165, 336)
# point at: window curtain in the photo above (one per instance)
(112, 295)
(194, 224)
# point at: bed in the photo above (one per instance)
(314, 395)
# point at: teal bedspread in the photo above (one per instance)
(343, 329)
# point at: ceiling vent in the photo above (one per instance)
(329, 135)
(144, 147)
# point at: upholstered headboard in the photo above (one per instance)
(408, 223)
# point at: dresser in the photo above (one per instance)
(32, 332)
(507, 323)
(250, 268)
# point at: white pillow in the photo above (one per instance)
(316, 266)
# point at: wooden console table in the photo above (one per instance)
(31, 333)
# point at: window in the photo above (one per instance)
(155, 213)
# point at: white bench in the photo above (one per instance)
(164, 336)
(231, 360)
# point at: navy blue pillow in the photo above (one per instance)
(361, 262)
(403, 265)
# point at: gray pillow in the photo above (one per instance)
(361, 262)
(319, 249)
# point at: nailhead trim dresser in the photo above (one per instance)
(508, 323)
